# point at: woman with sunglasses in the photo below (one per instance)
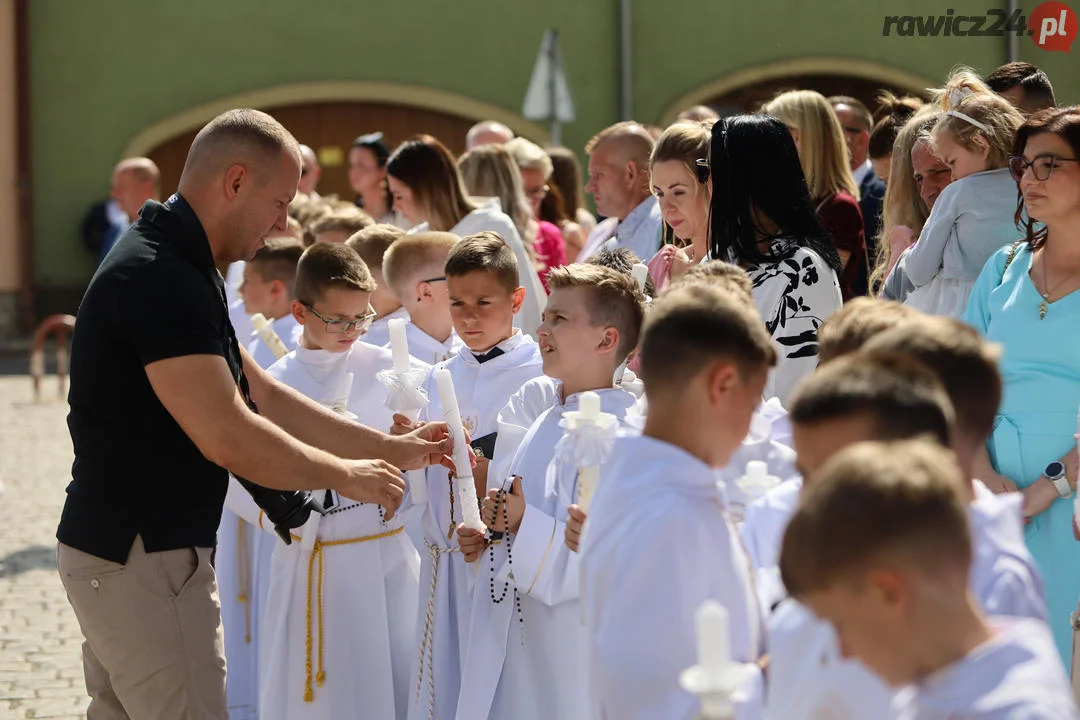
(1026, 301)
(681, 187)
(762, 218)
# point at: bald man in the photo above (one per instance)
(310, 172)
(619, 183)
(488, 132)
(134, 181)
(164, 405)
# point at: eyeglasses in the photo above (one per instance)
(1042, 166)
(441, 278)
(701, 167)
(538, 192)
(340, 327)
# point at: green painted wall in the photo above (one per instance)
(103, 71)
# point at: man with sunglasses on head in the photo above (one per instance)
(164, 404)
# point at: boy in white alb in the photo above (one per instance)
(843, 332)
(414, 269)
(371, 244)
(481, 283)
(880, 548)
(874, 395)
(243, 556)
(658, 542)
(339, 637)
(525, 648)
(267, 289)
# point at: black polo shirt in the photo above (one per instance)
(157, 295)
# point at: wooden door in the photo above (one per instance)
(330, 128)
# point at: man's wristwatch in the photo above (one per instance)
(1055, 473)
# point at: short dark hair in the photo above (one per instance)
(873, 502)
(373, 241)
(484, 252)
(724, 274)
(324, 266)
(965, 362)
(901, 397)
(694, 324)
(1038, 92)
(351, 220)
(621, 259)
(277, 260)
(856, 322)
(614, 299)
(855, 104)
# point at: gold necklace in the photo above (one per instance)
(1044, 304)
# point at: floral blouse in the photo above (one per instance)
(794, 296)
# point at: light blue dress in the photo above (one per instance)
(1040, 367)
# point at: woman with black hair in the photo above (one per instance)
(367, 176)
(762, 219)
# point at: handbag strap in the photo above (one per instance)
(1008, 260)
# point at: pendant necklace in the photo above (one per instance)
(1044, 305)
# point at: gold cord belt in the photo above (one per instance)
(317, 554)
(243, 561)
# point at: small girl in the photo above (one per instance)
(974, 215)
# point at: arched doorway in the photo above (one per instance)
(328, 117)
(746, 90)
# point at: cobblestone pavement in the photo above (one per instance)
(40, 658)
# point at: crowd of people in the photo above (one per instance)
(864, 307)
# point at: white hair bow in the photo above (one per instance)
(959, 93)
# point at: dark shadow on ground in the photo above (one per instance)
(32, 558)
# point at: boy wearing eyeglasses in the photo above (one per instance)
(340, 611)
(482, 284)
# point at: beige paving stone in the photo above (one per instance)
(40, 654)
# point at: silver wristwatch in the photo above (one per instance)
(1055, 473)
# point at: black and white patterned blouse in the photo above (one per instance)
(794, 296)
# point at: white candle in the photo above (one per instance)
(399, 345)
(266, 332)
(588, 477)
(589, 406)
(640, 271)
(470, 511)
(714, 647)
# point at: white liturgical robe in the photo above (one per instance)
(482, 389)
(351, 588)
(531, 664)
(657, 544)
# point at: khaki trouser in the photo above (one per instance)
(154, 647)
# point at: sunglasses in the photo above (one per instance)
(701, 168)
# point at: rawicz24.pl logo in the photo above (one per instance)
(1052, 25)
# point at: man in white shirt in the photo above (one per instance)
(619, 183)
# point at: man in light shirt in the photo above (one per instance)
(619, 183)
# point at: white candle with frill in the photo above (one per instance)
(405, 397)
(640, 272)
(470, 510)
(588, 439)
(266, 332)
